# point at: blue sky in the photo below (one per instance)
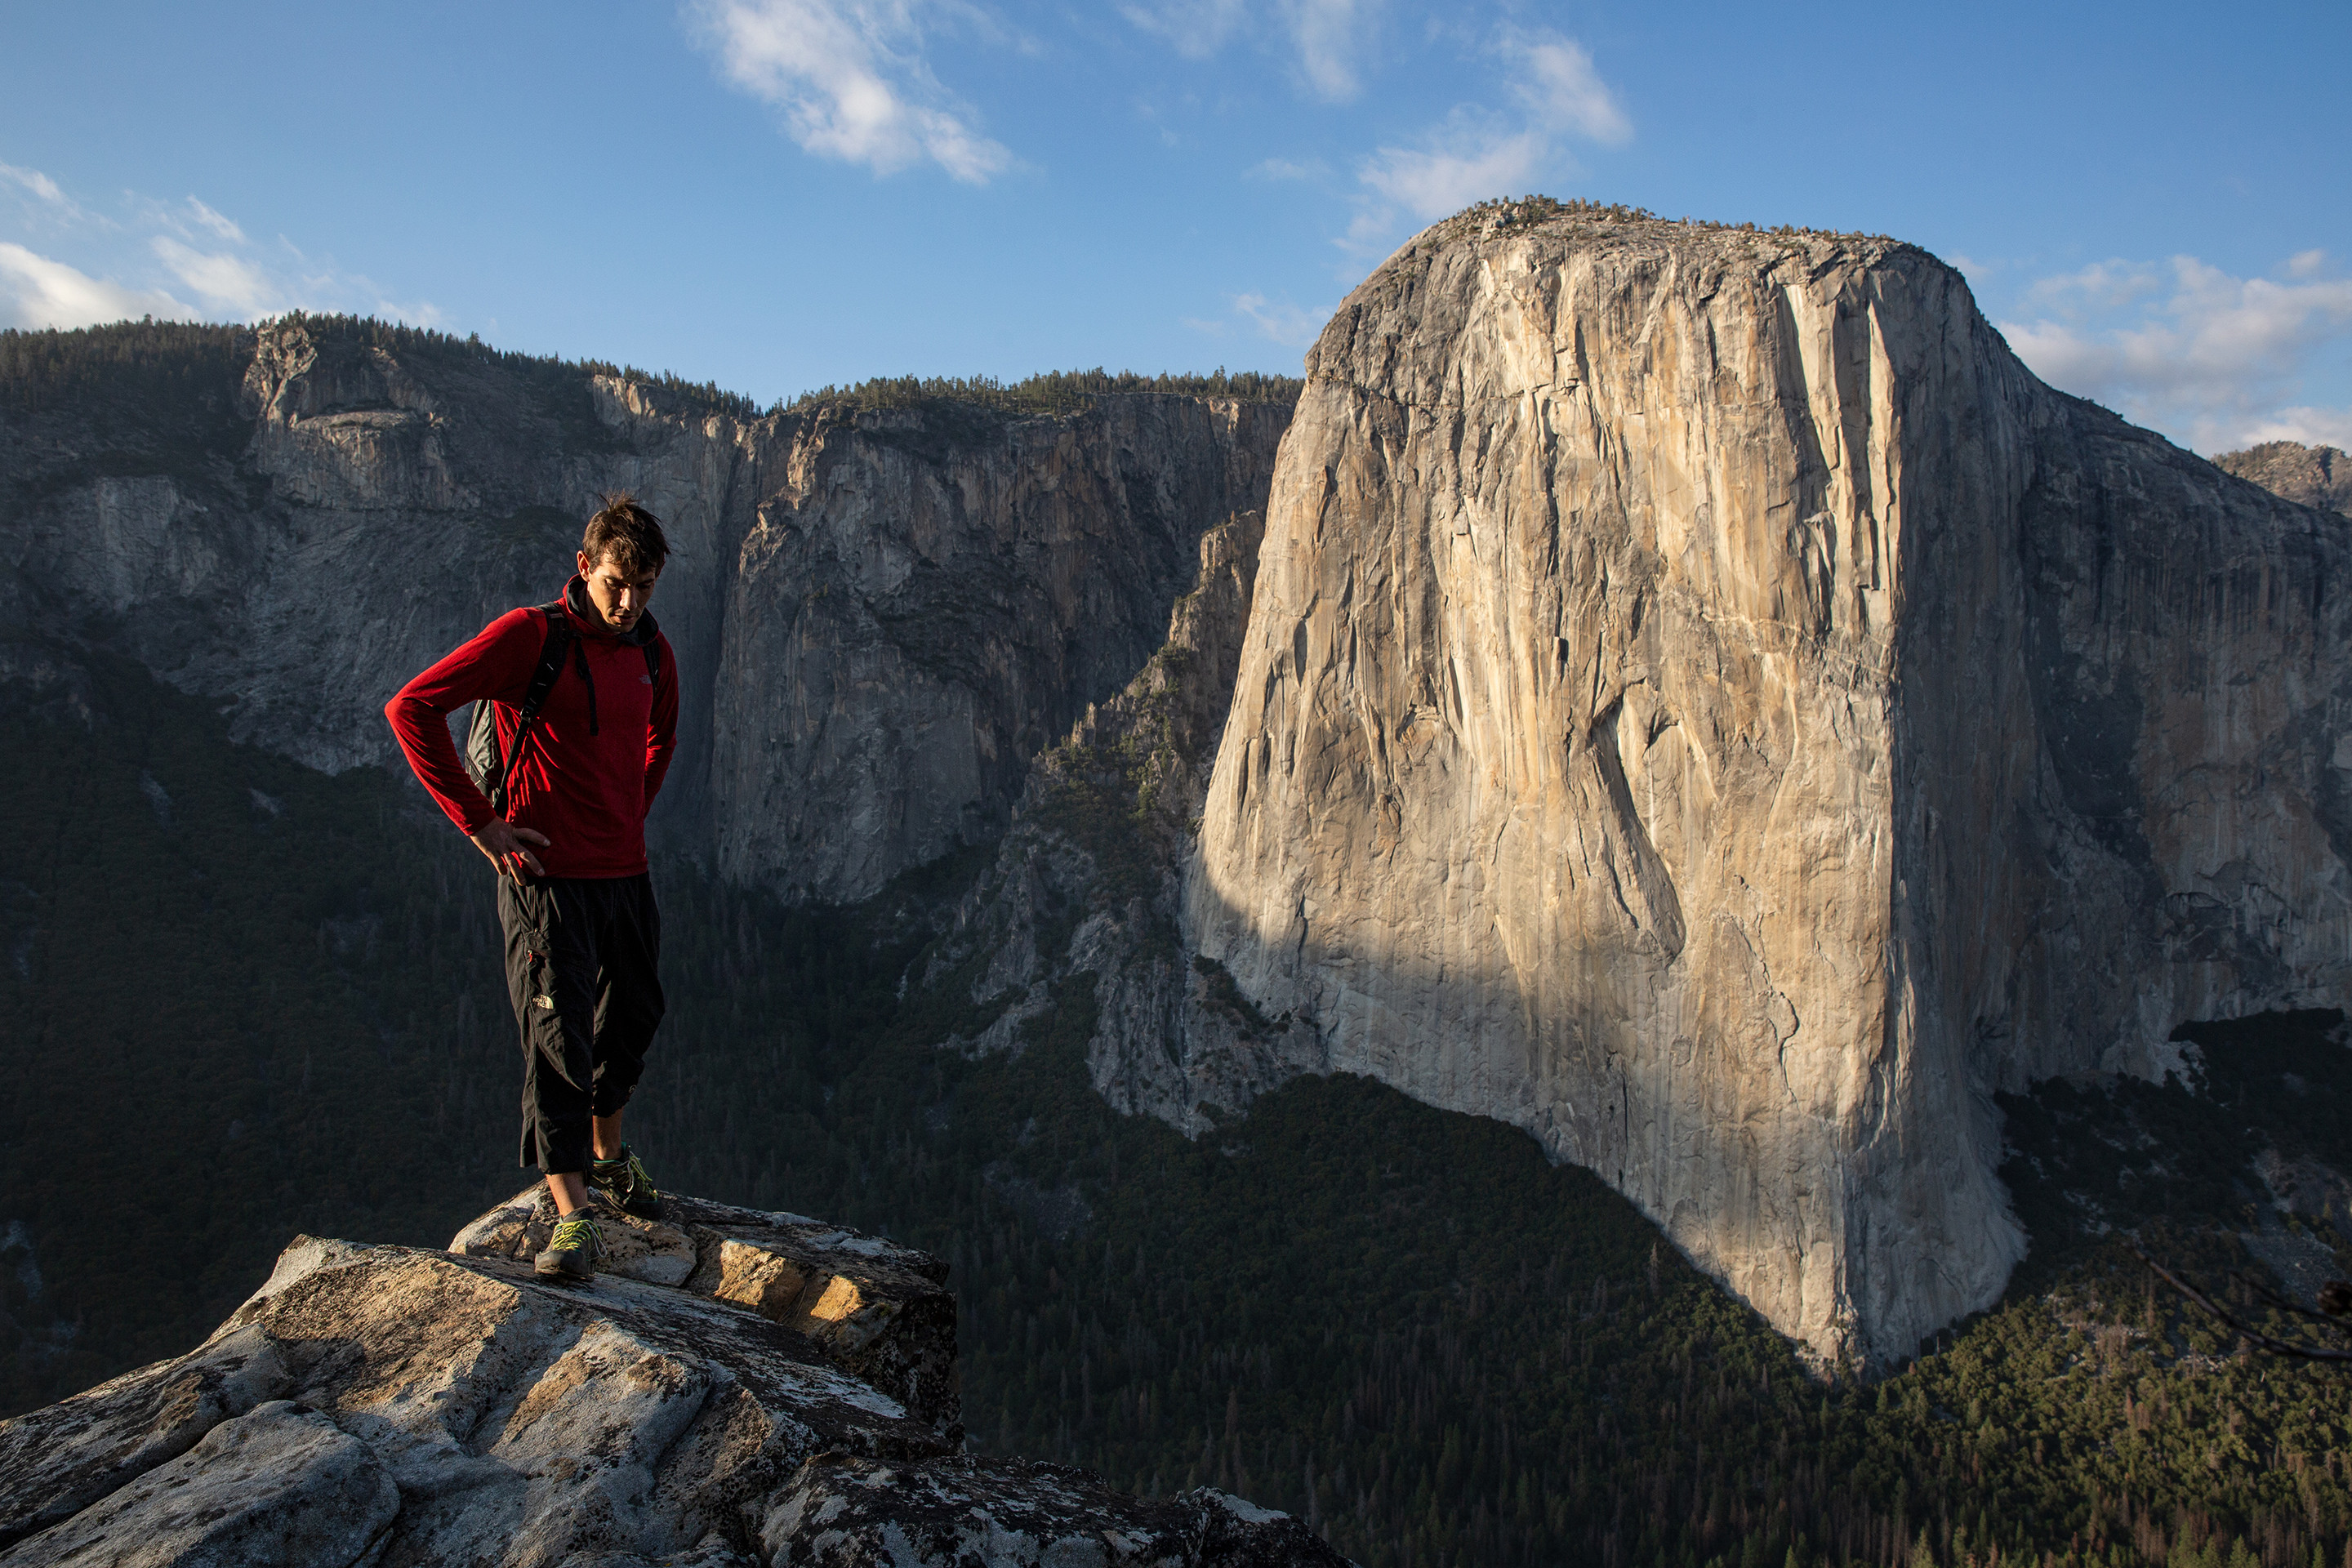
(778, 194)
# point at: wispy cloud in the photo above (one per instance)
(1556, 83)
(1330, 37)
(212, 220)
(1326, 41)
(39, 201)
(1280, 321)
(160, 256)
(1195, 28)
(850, 80)
(1289, 169)
(1477, 153)
(226, 283)
(33, 180)
(2103, 284)
(2214, 361)
(2311, 426)
(35, 291)
(1468, 158)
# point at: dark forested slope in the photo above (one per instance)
(247, 1000)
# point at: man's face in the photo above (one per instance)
(617, 596)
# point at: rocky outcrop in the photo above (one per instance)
(390, 1406)
(2313, 475)
(878, 615)
(1706, 702)
(878, 1311)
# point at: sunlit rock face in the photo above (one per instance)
(1706, 702)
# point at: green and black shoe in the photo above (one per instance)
(572, 1251)
(626, 1182)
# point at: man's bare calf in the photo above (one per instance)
(570, 1188)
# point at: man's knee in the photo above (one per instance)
(630, 1015)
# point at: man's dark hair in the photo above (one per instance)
(626, 533)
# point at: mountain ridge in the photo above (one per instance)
(908, 721)
(329, 459)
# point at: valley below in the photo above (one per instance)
(1586, 937)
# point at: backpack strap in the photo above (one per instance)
(580, 662)
(649, 638)
(551, 650)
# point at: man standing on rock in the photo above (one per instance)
(583, 936)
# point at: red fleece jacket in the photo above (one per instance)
(588, 792)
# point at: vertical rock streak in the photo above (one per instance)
(1705, 702)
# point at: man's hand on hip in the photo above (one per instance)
(508, 848)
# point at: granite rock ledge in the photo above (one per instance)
(740, 1388)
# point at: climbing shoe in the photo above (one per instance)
(626, 1182)
(572, 1252)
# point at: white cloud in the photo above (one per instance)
(2311, 426)
(417, 313)
(2103, 284)
(37, 182)
(850, 81)
(1326, 38)
(160, 255)
(1467, 164)
(1561, 91)
(1289, 169)
(1284, 321)
(224, 281)
(35, 291)
(1197, 28)
(2208, 358)
(215, 222)
(1328, 35)
(42, 203)
(1475, 153)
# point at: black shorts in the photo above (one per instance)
(583, 956)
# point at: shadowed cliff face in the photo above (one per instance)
(924, 606)
(879, 618)
(1705, 702)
